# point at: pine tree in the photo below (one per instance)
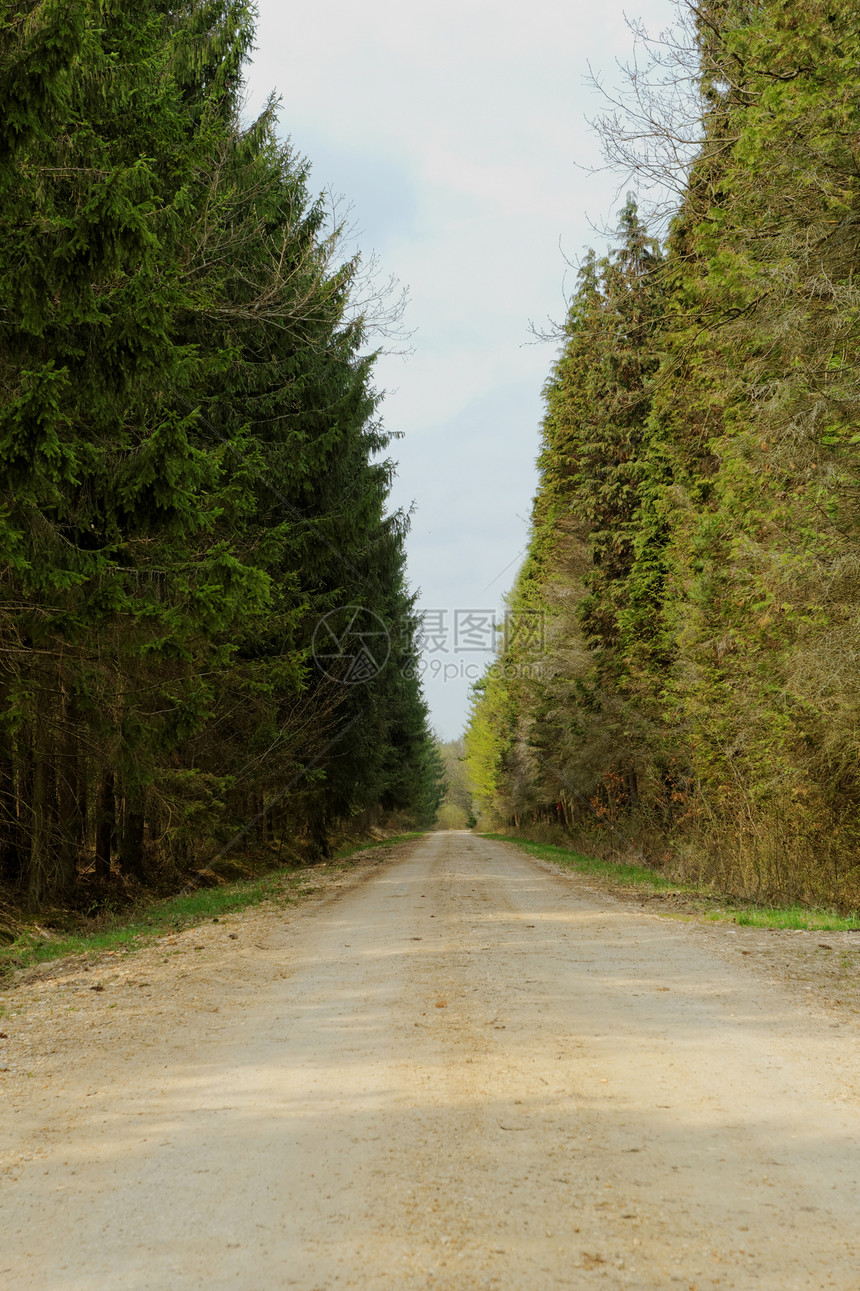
(189, 441)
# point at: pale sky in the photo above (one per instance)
(458, 133)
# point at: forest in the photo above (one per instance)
(194, 470)
(694, 556)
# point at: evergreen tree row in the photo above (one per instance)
(190, 463)
(695, 544)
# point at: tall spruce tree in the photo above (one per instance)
(570, 719)
(715, 536)
(189, 447)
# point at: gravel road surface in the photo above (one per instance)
(454, 1069)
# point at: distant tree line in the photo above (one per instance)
(455, 810)
(191, 466)
(695, 546)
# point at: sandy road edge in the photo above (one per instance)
(54, 1016)
(820, 968)
(318, 883)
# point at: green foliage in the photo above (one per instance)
(544, 726)
(191, 470)
(696, 529)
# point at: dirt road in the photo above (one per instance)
(463, 1071)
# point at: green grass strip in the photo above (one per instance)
(136, 928)
(811, 919)
(625, 873)
(796, 916)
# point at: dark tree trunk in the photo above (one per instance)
(131, 853)
(10, 831)
(68, 810)
(79, 786)
(41, 875)
(24, 760)
(105, 825)
(318, 830)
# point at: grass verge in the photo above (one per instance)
(796, 916)
(130, 929)
(704, 902)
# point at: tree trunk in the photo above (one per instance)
(10, 833)
(319, 833)
(131, 852)
(81, 797)
(68, 805)
(41, 860)
(105, 825)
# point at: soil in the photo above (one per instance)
(453, 1067)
